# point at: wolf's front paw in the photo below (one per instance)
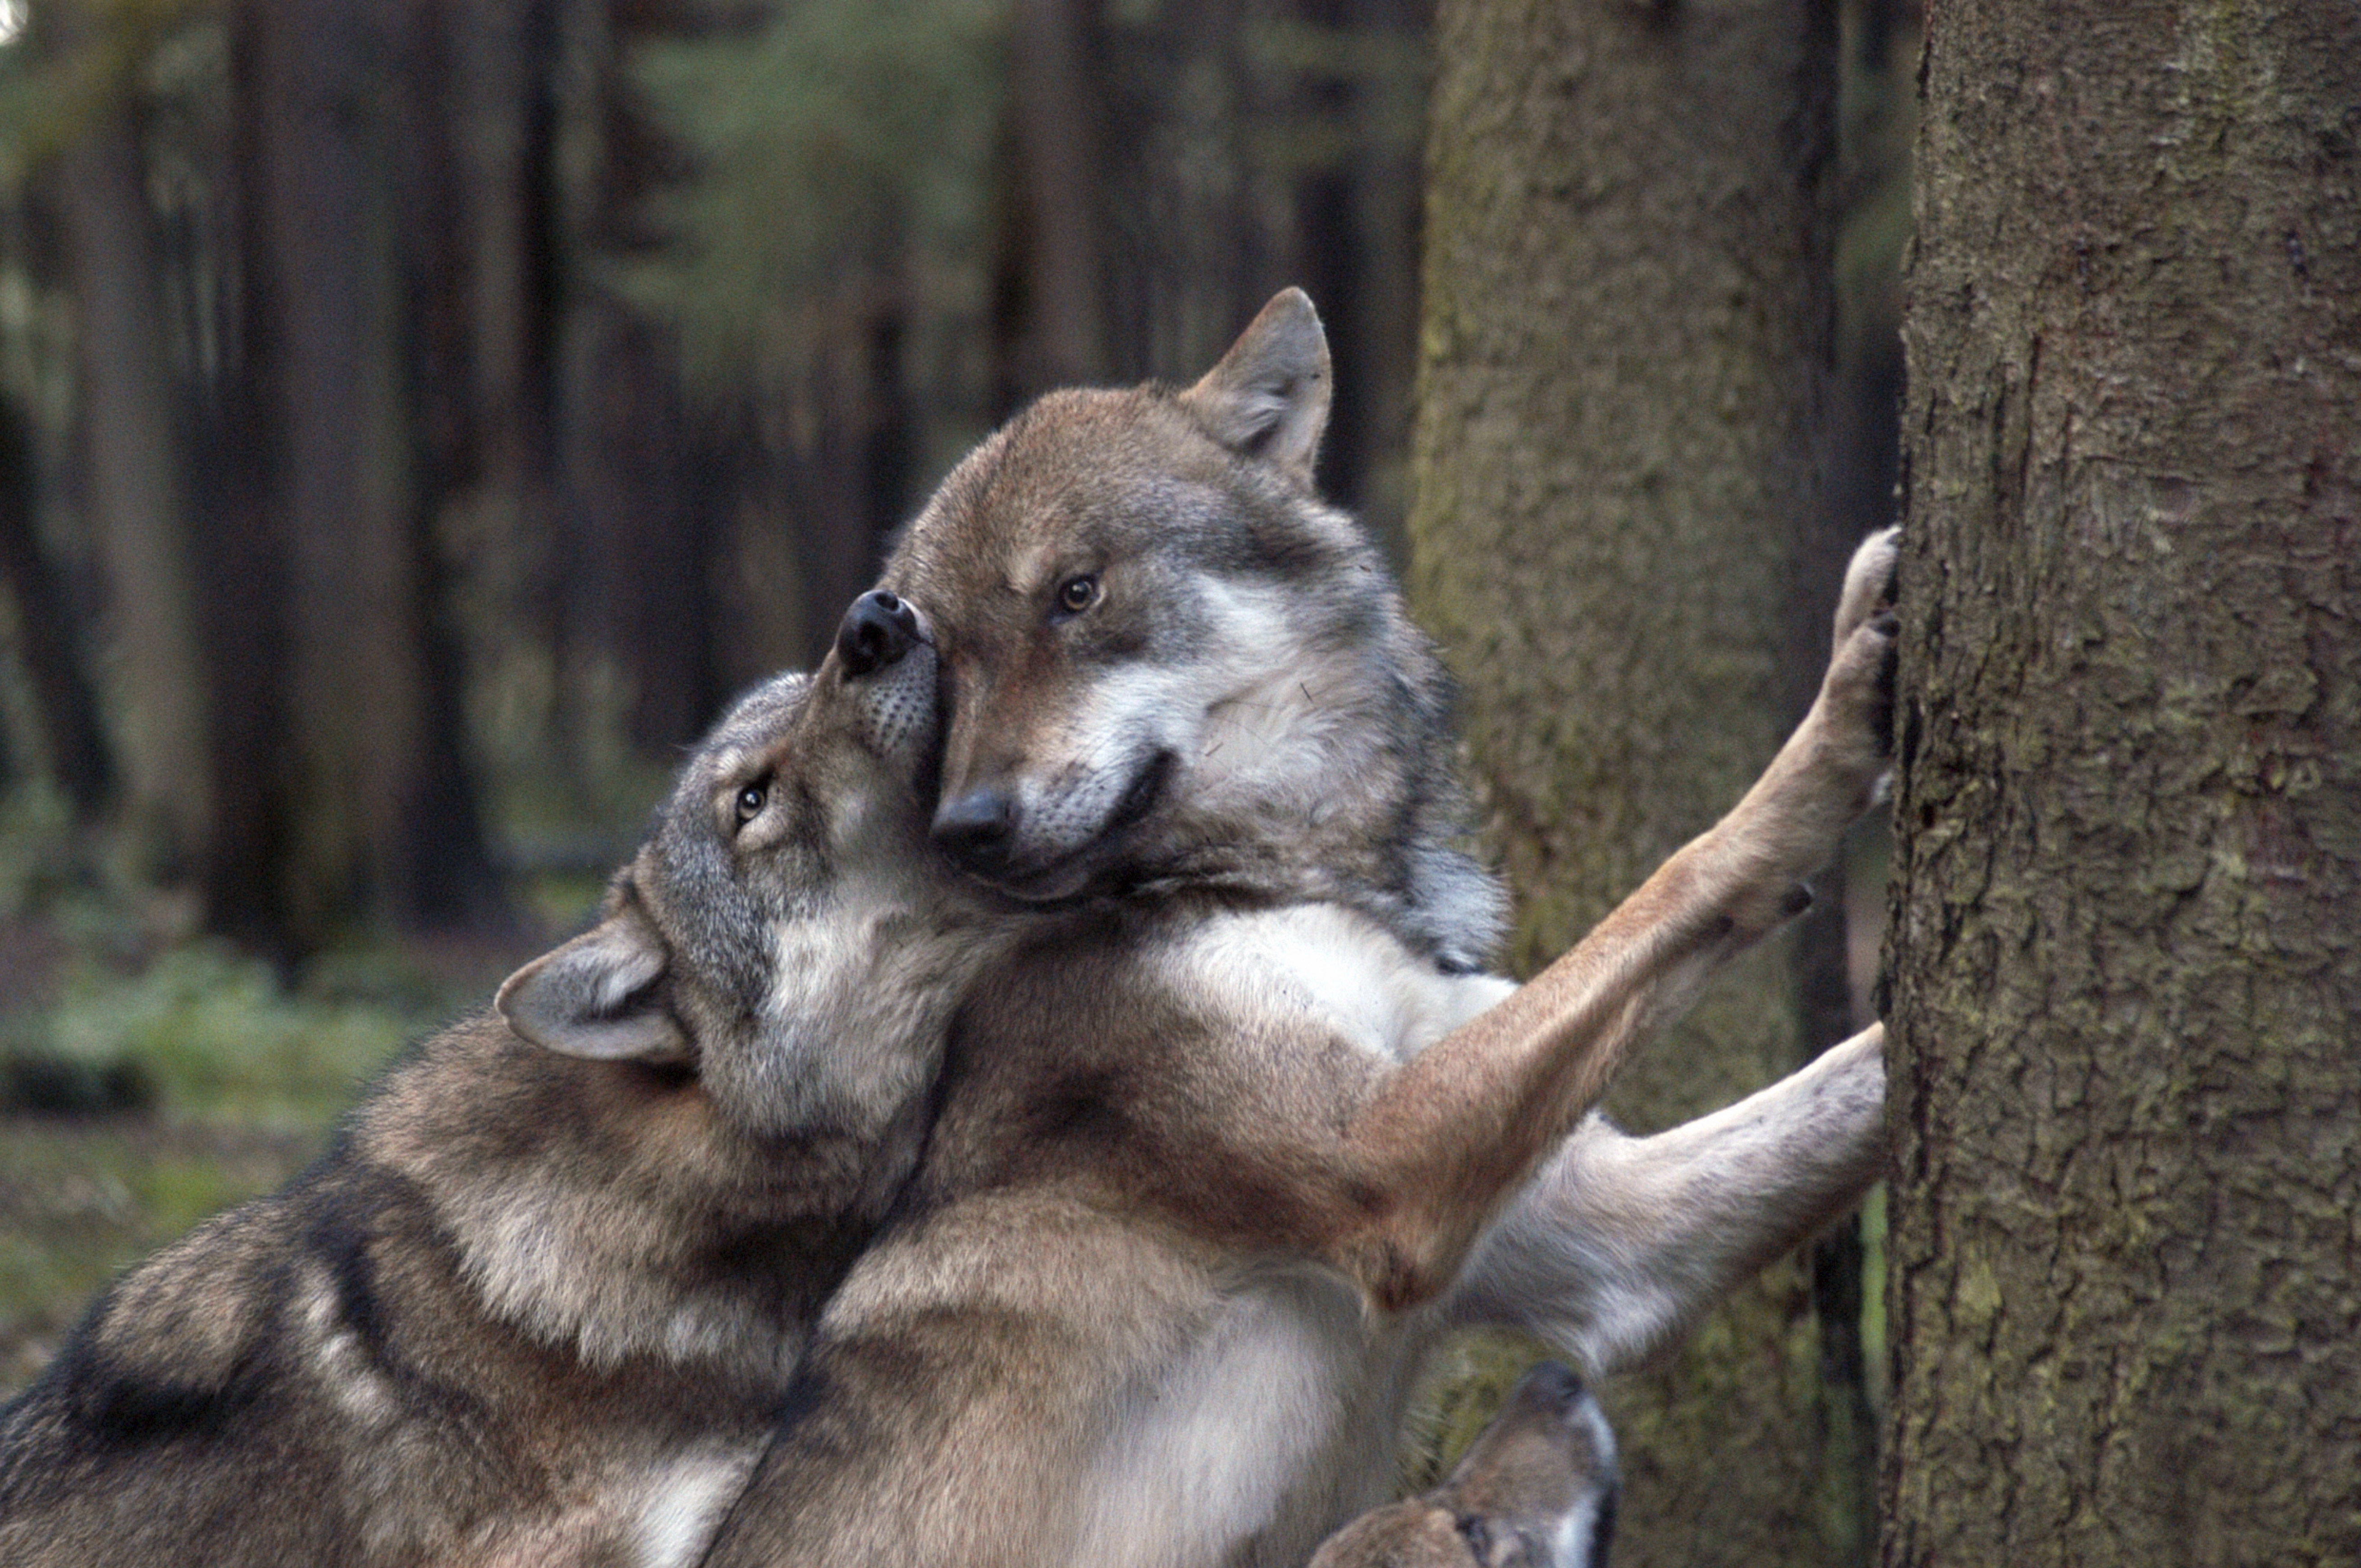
(1869, 581)
(1855, 709)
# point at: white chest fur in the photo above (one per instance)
(1293, 1393)
(1327, 965)
(1200, 1457)
(680, 1503)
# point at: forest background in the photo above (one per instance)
(418, 417)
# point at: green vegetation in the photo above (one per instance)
(211, 1035)
(849, 133)
(150, 1079)
(84, 1199)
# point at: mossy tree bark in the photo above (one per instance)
(2125, 1310)
(1626, 345)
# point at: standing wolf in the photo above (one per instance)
(1219, 1141)
(539, 1302)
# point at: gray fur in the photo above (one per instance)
(542, 1300)
(1182, 503)
(1220, 1144)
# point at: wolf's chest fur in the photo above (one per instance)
(1323, 967)
(1206, 1458)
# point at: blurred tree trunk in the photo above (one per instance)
(1362, 268)
(2126, 969)
(379, 825)
(850, 472)
(441, 874)
(1333, 256)
(61, 687)
(353, 693)
(1626, 347)
(1061, 336)
(644, 516)
(135, 490)
(1195, 240)
(244, 569)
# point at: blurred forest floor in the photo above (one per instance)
(151, 1077)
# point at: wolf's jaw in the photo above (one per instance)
(1078, 871)
(1338, 814)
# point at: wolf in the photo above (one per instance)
(541, 1301)
(1536, 1489)
(1225, 1140)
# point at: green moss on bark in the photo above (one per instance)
(2124, 1301)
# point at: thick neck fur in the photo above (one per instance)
(1330, 778)
(609, 1213)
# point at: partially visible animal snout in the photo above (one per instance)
(1045, 771)
(876, 631)
(1046, 837)
(977, 829)
(1536, 1489)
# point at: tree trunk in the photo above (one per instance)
(62, 693)
(1056, 113)
(440, 868)
(637, 457)
(135, 492)
(1627, 340)
(848, 474)
(2127, 970)
(243, 571)
(356, 691)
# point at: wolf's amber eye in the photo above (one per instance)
(1076, 595)
(750, 802)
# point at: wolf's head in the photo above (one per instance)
(757, 938)
(1168, 662)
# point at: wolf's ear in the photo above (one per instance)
(1268, 397)
(596, 997)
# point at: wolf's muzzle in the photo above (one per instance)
(876, 631)
(978, 829)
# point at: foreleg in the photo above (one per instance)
(1426, 1163)
(1622, 1242)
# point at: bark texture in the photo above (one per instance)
(2125, 1300)
(1627, 341)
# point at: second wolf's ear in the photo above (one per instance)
(597, 995)
(1268, 397)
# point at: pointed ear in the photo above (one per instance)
(1268, 397)
(596, 997)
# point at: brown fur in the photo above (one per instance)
(1536, 1489)
(1183, 1188)
(540, 1301)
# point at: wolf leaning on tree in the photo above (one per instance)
(542, 1300)
(1222, 1143)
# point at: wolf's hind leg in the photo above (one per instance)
(1622, 1244)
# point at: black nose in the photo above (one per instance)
(977, 829)
(876, 631)
(1551, 1385)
